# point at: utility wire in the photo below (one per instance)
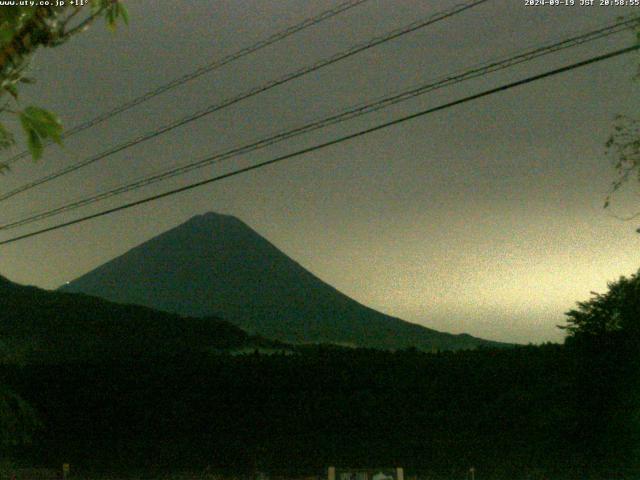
(353, 112)
(336, 141)
(276, 37)
(255, 91)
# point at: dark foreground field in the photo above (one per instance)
(529, 412)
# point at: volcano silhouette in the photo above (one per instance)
(217, 265)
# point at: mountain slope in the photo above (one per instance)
(43, 326)
(215, 264)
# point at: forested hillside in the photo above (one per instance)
(43, 326)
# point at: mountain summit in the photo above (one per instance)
(217, 265)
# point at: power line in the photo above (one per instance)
(336, 141)
(276, 37)
(255, 91)
(350, 113)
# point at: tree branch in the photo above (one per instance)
(21, 43)
(84, 24)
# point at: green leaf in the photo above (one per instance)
(6, 137)
(41, 115)
(123, 13)
(11, 15)
(96, 6)
(6, 34)
(39, 125)
(111, 17)
(45, 123)
(34, 143)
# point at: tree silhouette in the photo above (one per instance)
(604, 336)
(614, 312)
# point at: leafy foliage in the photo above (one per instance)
(40, 125)
(6, 137)
(24, 29)
(618, 310)
(604, 341)
(623, 147)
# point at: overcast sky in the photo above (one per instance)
(485, 218)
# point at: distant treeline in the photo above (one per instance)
(555, 411)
